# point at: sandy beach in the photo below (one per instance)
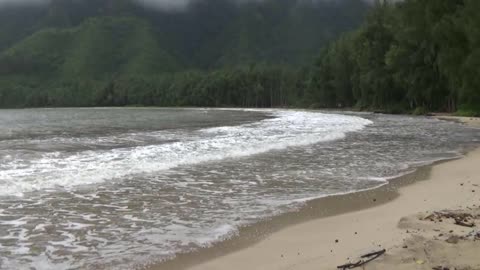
(336, 230)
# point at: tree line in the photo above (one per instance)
(250, 86)
(415, 55)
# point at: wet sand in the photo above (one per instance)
(335, 230)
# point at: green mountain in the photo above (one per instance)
(117, 52)
(404, 56)
(94, 38)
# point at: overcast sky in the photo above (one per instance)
(161, 4)
(3, 2)
(166, 4)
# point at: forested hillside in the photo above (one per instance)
(117, 52)
(208, 34)
(421, 55)
(406, 56)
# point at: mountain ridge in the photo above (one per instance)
(210, 34)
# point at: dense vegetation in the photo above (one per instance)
(416, 55)
(409, 56)
(116, 52)
(209, 34)
(254, 86)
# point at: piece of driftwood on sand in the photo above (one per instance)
(364, 260)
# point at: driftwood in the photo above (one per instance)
(448, 215)
(464, 224)
(461, 219)
(364, 260)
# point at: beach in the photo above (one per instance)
(176, 189)
(332, 231)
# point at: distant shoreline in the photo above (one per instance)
(471, 121)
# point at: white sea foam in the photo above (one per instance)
(67, 170)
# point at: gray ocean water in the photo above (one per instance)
(121, 188)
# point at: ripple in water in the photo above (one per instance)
(143, 195)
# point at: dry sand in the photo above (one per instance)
(436, 242)
(336, 230)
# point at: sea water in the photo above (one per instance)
(120, 188)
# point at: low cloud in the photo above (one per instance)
(166, 4)
(179, 5)
(169, 5)
(23, 2)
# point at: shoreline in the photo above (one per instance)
(239, 251)
(245, 249)
(469, 121)
(314, 209)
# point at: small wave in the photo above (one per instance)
(67, 170)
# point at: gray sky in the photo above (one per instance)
(165, 4)
(160, 4)
(4, 2)
(181, 4)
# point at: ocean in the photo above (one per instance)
(120, 188)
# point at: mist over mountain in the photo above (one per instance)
(174, 5)
(82, 52)
(395, 56)
(209, 33)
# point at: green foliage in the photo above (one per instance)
(115, 45)
(40, 54)
(209, 34)
(407, 56)
(420, 111)
(254, 86)
(116, 53)
(469, 111)
(415, 55)
(97, 48)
